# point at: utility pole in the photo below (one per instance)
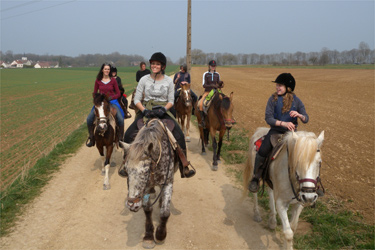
(188, 42)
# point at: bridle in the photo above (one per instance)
(300, 181)
(102, 120)
(153, 165)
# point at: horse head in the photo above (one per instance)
(102, 111)
(304, 159)
(226, 108)
(140, 159)
(185, 94)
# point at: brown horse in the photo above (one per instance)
(183, 109)
(218, 118)
(104, 133)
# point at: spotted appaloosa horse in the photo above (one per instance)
(150, 161)
(294, 175)
(219, 118)
(183, 106)
(104, 133)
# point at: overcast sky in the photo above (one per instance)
(143, 27)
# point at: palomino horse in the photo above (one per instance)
(183, 109)
(218, 118)
(294, 174)
(104, 133)
(150, 161)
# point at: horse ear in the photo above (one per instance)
(124, 146)
(150, 146)
(231, 96)
(321, 138)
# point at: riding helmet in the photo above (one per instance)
(113, 69)
(212, 63)
(286, 79)
(159, 57)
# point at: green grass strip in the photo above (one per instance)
(28, 185)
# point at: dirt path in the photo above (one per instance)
(74, 212)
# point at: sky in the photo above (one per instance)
(138, 27)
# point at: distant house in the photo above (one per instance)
(4, 64)
(17, 64)
(45, 65)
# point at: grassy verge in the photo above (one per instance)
(29, 184)
(333, 227)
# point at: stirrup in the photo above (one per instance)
(90, 142)
(122, 172)
(187, 173)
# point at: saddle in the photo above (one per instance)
(278, 145)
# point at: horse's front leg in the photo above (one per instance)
(271, 202)
(106, 184)
(221, 135)
(201, 132)
(282, 209)
(296, 211)
(214, 149)
(256, 216)
(188, 126)
(161, 231)
(148, 240)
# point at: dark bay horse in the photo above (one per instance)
(150, 161)
(219, 118)
(183, 106)
(105, 137)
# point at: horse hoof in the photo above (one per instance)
(103, 173)
(203, 153)
(161, 242)
(257, 218)
(214, 167)
(106, 187)
(148, 244)
(187, 139)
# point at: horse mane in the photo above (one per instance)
(150, 133)
(98, 99)
(301, 150)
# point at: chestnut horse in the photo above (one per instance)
(104, 133)
(295, 176)
(183, 109)
(219, 118)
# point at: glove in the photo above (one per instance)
(147, 113)
(160, 112)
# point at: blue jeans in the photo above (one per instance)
(91, 117)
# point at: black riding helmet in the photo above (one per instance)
(113, 69)
(286, 79)
(212, 63)
(159, 57)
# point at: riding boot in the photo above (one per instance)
(183, 164)
(258, 171)
(121, 133)
(90, 142)
(203, 117)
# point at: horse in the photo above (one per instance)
(218, 118)
(105, 136)
(294, 173)
(183, 109)
(150, 161)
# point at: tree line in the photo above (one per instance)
(361, 55)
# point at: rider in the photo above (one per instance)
(159, 91)
(122, 98)
(142, 71)
(211, 80)
(108, 86)
(183, 77)
(282, 113)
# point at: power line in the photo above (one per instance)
(37, 10)
(21, 5)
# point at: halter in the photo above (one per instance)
(304, 189)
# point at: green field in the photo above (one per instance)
(41, 107)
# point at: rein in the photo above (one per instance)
(306, 190)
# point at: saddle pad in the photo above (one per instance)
(168, 123)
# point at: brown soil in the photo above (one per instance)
(340, 102)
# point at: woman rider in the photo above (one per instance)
(158, 90)
(211, 80)
(283, 110)
(107, 85)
